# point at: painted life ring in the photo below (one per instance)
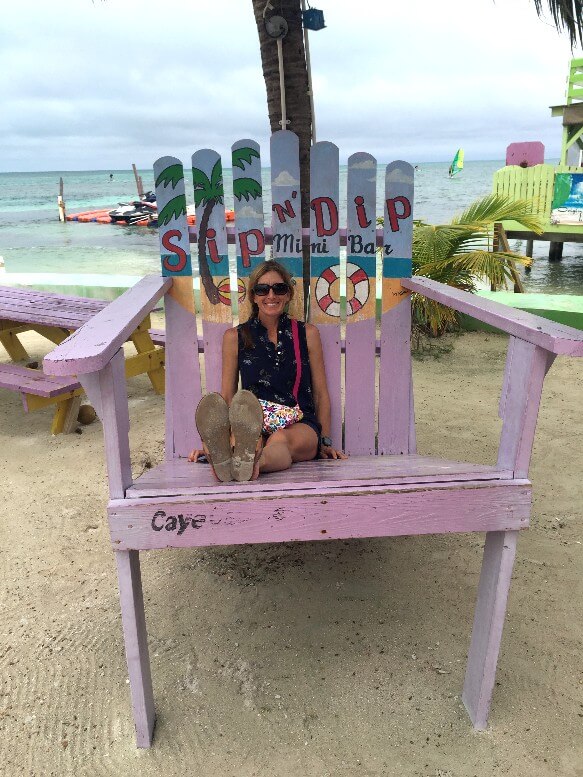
(328, 289)
(224, 289)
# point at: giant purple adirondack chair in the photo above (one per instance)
(385, 488)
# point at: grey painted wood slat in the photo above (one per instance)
(286, 218)
(325, 271)
(395, 389)
(361, 257)
(213, 260)
(249, 218)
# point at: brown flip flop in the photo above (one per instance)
(212, 422)
(246, 417)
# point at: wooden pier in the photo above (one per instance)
(526, 176)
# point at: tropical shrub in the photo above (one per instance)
(461, 253)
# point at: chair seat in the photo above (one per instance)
(180, 477)
(179, 504)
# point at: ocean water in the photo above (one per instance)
(32, 240)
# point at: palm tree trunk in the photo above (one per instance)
(205, 274)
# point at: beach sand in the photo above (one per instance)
(323, 658)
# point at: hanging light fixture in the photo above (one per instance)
(313, 19)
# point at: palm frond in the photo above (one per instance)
(246, 187)
(460, 253)
(567, 14)
(495, 207)
(242, 156)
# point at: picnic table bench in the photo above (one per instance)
(55, 316)
(386, 488)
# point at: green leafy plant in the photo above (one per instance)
(461, 253)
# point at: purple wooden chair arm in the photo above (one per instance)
(556, 338)
(93, 345)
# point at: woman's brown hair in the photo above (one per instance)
(258, 272)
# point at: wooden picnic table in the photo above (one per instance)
(55, 316)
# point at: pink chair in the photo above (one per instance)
(385, 488)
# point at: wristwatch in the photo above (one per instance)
(327, 441)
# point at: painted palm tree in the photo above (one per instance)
(175, 207)
(207, 193)
(245, 187)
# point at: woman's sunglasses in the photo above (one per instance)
(262, 289)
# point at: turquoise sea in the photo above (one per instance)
(32, 240)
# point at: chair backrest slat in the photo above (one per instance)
(249, 220)
(355, 423)
(213, 260)
(286, 207)
(395, 390)
(360, 305)
(183, 388)
(325, 269)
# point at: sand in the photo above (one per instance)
(328, 658)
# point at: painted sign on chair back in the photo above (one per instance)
(286, 217)
(361, 263)
(371, 400)
(325, 272)
(249, 221)
(182, 365)
(395, 394)
(213, 259)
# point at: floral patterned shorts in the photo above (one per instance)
(277, 416)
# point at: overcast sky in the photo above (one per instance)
(101, 85)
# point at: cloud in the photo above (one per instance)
(181, 82)
(247, 212)
(285, 179)
(400, 174)
(366, 164)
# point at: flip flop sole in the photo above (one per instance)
(212, 422)
(246, 417)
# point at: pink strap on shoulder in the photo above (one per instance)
(296, 339)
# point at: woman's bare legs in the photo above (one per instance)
(286, 446)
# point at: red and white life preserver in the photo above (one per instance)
(331, 304)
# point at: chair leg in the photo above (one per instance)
(498, 560)
(136, 644)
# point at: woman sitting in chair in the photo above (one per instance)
(282, 413)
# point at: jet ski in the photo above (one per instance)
(133, 212)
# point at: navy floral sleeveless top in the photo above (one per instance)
(269, 370)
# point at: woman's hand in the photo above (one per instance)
(328, 452)
(196, 454)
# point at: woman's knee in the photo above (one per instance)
(278, 437)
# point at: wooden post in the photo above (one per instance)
(61, 203)
(501, 244)
(495, 576)
(555, 251)
(139, 184)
